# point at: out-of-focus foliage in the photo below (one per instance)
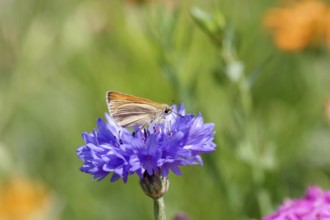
(270, 108)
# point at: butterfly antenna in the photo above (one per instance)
(175, 113)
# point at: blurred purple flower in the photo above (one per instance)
(314, 206)
(159, 148)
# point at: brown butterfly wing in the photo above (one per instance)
(128, 110)
(115, 96)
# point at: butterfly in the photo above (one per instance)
(130, 111)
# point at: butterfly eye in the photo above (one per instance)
(167, 110)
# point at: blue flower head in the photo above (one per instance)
(159, 148)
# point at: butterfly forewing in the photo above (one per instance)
(117, 96)
(128, 110)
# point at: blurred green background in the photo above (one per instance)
(270, 108)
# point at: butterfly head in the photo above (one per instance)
(167, 109)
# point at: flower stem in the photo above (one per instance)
(159, 209)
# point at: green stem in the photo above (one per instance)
(159, 209)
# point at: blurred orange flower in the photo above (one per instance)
(300, 24)
(22, 199)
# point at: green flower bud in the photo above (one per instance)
(154, 186)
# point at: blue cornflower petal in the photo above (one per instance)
(179, 141)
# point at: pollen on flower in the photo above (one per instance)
(111, 149)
